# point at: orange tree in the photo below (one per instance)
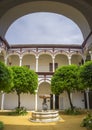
(65, 79)
(6, 79)
(25, 81)
(86, 75)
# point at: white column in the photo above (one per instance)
(20, 64)
(3, 94)
(90, 52)
(54, 101)
(2, 101)
(87, 97)
(36, 100)
(53, 64)
(37, 63)
(69, 59)
(0, 50)
(84, 58)
(5, 60)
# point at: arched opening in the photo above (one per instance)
(1, 58)
(61, 60)
(44, 88)
(29, 61)
(44, 28)
(44, 63)
(77, 59)
(44, 6)
(13, 60)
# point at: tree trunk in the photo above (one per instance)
(18, 100)
(70, 101)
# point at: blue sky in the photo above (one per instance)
(44, 28)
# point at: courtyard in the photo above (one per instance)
(67, 122)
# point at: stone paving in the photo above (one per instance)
(24, 123)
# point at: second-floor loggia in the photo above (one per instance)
(43, 62)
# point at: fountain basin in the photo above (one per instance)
(45, 116)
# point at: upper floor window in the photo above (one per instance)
(51, 66)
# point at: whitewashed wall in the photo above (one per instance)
(11, 102)
(77, 100)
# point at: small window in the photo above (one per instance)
(56, 66)
(51, 66)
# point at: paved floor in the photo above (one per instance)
(24, 123)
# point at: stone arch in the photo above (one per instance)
(44, 88)
(29, 61)
(12, 54)
(61, 52)
(28, 53)
(13, 59)
(3, 51)
(43, 65)
(45, 52)
(77, 58)
(76, 53)
(45, 6)
(2, 57)
(42, 80)
(61, 59)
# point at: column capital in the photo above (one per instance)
(37, 57)
(87, 90)
(69, 57)
(84, 56)
(36, 90)
(90, 52)
(20, 57)
(5, 58)
(53, 57)
(20, 64)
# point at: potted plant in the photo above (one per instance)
(87, 122)
(1, 125)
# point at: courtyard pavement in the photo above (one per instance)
(67, 122)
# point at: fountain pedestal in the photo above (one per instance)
(45, 116)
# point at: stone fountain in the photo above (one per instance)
(45, 115)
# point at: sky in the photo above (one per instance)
(44, 28)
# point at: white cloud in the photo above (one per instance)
(44, 28)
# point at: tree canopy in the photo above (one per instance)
(65, 79)
(25, 81)
(86, 75)
(6, 79)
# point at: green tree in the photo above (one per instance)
(25, 81)
(65, 79)
(6, 78)
(86, 75)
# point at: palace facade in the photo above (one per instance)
(43, 59)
